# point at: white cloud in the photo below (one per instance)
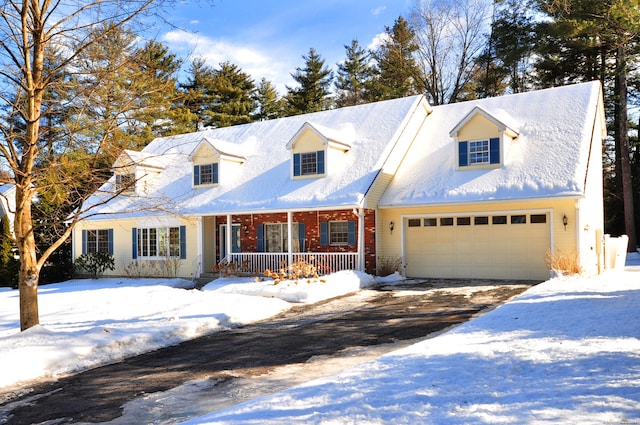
(378, 10)
(258, 61)
(378, 40)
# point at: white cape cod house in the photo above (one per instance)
(479, 189)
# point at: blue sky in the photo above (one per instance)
(267, 38)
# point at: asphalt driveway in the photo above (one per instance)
(233, 366)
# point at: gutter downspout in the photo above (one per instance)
(228, 238)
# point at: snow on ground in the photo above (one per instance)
(566, 351)
(88, 323)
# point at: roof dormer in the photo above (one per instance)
(313, 146)
(212, 158)
(483, 138)
(131, 170)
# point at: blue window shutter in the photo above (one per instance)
(260, 237)
(214, 173)
(110, 236)
(324, 233)
(84, 241)
(183, 242)
(296, 164)
(302, 236)
(196, 175)
(494, 151)
(320, 162)
(134, 243)
(351, 235)
(463, 156)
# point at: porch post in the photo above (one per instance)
(290, 237)
(228, 238)
(361, 239)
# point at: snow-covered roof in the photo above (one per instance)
(548, 158)
(263, 182)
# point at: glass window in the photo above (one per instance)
(308, 163)
(446, 221)
(338, 233)
(499, 219)
(538, 218)
(125, 183)
(479, 152)
(97, 241)
(413, 222)
(518, 219)
(159, 242)
(463, 221)
(430, 222)
(478, 221)
(205, 174)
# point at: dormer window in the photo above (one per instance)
(479, 152)
(308, 163)
(126, 183)
(483, 138)
(205, 174)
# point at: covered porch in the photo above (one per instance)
(331, 240)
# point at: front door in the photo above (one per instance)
(235, 239)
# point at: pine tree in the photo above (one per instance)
(397, 69)
(8, 262)
(232, 92)
(605, 34)
(198, 93)
(355, 75)
(270, 105)
(313, 90)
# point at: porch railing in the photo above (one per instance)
(326, 262)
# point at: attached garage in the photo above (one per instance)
(495, 245)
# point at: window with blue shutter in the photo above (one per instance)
(338, 232)
(479, 152)
(97, 240)
(205, 174)
(308, 163)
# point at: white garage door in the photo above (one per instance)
(494, 246)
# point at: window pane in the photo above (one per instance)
(538, 218)
(463, 221)
(499, 219)
(414, 222)
(480, 220)
(338, 233)
(174, 241)
(92, 244)
(308, 163)
(430, 222)
(206, 174)
(446, 221)
(518, 219)
(153, 242)
(479, 152)
(163, 242)
(103, 240)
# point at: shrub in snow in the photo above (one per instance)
(563, 263)
(95, 263)
(299, 269)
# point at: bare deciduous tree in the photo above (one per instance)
(39, 42)
(450, 35)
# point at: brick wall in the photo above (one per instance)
(312, 219)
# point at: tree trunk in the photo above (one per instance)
(29, 272)
(622, 136)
